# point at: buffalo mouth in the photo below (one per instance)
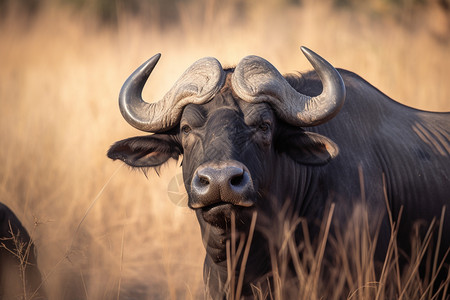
(216, 206)
(220, 213)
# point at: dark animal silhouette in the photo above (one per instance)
(19, 275)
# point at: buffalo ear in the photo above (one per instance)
(145, 151)
(311, 148)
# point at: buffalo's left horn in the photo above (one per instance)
(256, 80)
(198, 84)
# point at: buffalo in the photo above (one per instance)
(20, 277)
(255, 143)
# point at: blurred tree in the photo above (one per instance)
(391, 4)
(28, 7)
(108, 11)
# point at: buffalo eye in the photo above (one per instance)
(264, 127)
(186, 129)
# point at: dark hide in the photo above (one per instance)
(305, 169)
(19, 275)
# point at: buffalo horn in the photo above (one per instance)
(198, 84)
(256, 80)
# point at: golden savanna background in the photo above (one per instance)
(103, 231)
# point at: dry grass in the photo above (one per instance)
(102, 226)
(351, 272)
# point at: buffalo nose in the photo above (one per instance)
(212, 184)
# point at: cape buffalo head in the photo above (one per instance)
(236, 129)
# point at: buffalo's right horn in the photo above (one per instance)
(256, 80)
(198, 84)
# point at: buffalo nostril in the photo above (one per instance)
(203, 184)
(237, 180)
(203, 180)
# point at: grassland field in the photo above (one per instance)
(104, 231)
